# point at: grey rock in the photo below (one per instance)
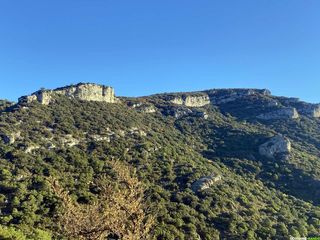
(311, 110)
(277, 147)
(100, 138)
(282, 113)
(182, 112)
(31, 148)
(205, 182)
(11, 138)
(69, 141)
(201, 114)
(192, 100)
(82, 91)
(144, 108)
(222, 96)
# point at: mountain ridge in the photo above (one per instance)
(212, 170)
(98, 92)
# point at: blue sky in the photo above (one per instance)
(142, 47)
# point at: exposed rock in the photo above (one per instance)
(203, 115)
(311, 110)
(181, 112)
(121, 133)
(11, 138)
(282, 113)
(135, 104)
(278, 147)
(69, 141)
(192, 100)
(221, 96)
(138, 132)
(144, 108)
(30, 149)
(272, 103)
(288, 101)
(81, 91)
(148, 109)
(99, 138)
(205, 182)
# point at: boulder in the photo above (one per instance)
(277, 147)
(205, 182)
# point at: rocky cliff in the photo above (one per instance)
(278, 147)
(212, 172)
(192, 100)
(311, 110)
(282, 113)
(81, 91)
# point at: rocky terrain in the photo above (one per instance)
(81, 91)
(216, 164)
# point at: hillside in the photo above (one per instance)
(215, 164)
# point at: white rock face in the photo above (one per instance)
(144, 108)
(278, 147)
(82, 91)
(192, 100)
(99, 138)
(205, 182)
(283, 113)
(311, 111)
(31, 148)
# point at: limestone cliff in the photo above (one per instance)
(81, 91)
(304, 108)
(278, 147)
(282, 113)
(192, 100)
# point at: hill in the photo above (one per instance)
(215, 164)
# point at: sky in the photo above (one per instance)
(143, 47)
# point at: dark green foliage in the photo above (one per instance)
(256, 199)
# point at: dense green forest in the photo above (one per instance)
(164, 152)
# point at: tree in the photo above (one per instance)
(119, 212)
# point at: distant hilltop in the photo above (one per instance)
(81, 91)
(264, 105)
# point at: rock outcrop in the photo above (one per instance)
(191, 100)
(205, 182)
(311, 110)
(282, 113)
(278, 147)
(81, 91)
(143, 108)
(11, 138)
(221, 96)
(181, 112)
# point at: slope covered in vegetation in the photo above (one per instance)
(169, 141)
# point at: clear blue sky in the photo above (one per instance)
(142, 47)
